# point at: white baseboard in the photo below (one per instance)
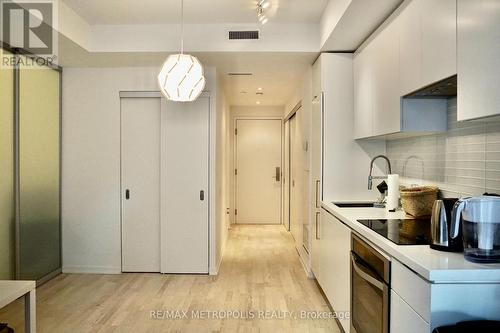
(215, 270)
(91, 270)
(305, 266)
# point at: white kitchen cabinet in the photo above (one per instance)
(478, 58)
(385, 82)
(335, 264)
(340, 154)
(315, 175)
(412, 288)
(363, 106)
(427, 48)
(410, 48)
(424, 305)
(404, 318)
(439, 39)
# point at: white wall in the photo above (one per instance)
(222, 174)
(244, 112)
(91, 240)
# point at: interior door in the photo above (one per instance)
(295, 174)
(185, 183)
(258, 165)
(140, 149)
(286, 176)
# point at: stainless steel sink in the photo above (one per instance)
(354, 204)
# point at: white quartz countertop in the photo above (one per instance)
(434, 266)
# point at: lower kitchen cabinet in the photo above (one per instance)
(419, 306)
(404, 318)
(334, 261)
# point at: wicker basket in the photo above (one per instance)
(418, 201)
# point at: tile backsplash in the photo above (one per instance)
(465, 160)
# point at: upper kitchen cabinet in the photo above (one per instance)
(427, 43)
(410, 48)
(410, 51)
(478, 58)
(439, 40)
(385, 82)
(363, 108)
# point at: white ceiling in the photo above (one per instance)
(278, 70)
(131, 12)
(277, 73)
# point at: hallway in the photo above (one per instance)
(260, 272)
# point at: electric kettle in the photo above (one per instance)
(480, 220)
(441, 226)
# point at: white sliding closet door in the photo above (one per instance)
(185, 179)
(140, 149)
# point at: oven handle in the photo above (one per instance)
(363, 270)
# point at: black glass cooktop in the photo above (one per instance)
(402, 231)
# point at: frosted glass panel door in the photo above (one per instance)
(6, 172)
(39, 155)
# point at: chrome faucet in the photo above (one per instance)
(370, 177)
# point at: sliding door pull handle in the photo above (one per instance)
(318, 231)
(277, 174)
(202, 195)
(127, 194)
(318, 189)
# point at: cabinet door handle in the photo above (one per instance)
(202, 195)
(127, 194)
(318, 233)
(318, 187)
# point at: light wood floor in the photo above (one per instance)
(260, 272)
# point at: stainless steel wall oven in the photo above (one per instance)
(370, 289)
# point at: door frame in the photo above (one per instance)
(235, 159)
(287, 137)
(163, 189)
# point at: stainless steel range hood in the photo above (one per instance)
(446, 88)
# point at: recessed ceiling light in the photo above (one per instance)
(259, 88)
(258, 102)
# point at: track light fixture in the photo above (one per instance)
(262, 5)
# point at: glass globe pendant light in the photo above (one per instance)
(181, 77)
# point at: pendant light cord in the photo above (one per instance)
(182, 26)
